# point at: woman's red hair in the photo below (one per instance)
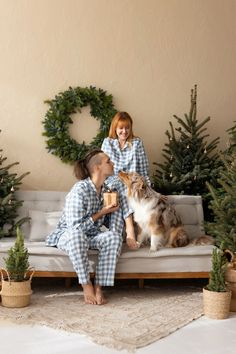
(123, 118)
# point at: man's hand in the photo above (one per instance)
(105, 210)
(109, 209)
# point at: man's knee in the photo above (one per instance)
(79, 241)
(114, 238)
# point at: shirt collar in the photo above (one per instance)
(90, 182)
(116, 141)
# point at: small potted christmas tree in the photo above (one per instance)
(216, 295)
(16, 286)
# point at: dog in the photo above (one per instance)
(156, 218)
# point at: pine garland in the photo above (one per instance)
(58, 119)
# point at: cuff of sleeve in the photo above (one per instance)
(128, 213)
(85, 226)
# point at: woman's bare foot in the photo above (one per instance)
(101, 300)
(89, 294)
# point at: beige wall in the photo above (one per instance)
(147, 53)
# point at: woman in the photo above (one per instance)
(127, 153)
(80, 226)
(124, 149)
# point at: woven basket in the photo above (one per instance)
(216, 304)
(230, 277)
(16, 294)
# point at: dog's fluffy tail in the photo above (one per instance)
(203, 240)
(178, 237)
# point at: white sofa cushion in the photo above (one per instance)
(45, 201)
(183, 259)
(42, 224)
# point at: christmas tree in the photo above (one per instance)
(232, 141)
(217, 274)
(223, 205)
(9, 183)
(189, 160)
(17, 262)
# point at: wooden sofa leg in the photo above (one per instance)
(141, 283)
(68, 282)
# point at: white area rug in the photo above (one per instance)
(133, 317)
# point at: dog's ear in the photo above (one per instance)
(141, 185)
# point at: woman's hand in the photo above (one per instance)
(163, 198)
(132, 243)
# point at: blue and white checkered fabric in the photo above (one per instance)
(132, 158)
(76, 232)
(107, 243)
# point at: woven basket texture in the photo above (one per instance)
(16, 294)
(230, 277)
(216, 304)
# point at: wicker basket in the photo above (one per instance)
(16, 294)
(230, 277)
(216, 304)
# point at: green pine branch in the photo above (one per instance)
(217, 274)
(223, 205)
(17, 262)
(9, 184)
(189, 159)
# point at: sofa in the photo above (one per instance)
(45, 207)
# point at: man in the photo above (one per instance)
(80, 226)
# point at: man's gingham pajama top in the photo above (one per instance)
(76, 232)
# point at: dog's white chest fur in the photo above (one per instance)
(141, 212)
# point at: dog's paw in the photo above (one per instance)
(156, 243)
(153, 249)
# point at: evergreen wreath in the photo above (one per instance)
(58, 118)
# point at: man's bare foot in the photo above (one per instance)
(89, 294)
(101, 300)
